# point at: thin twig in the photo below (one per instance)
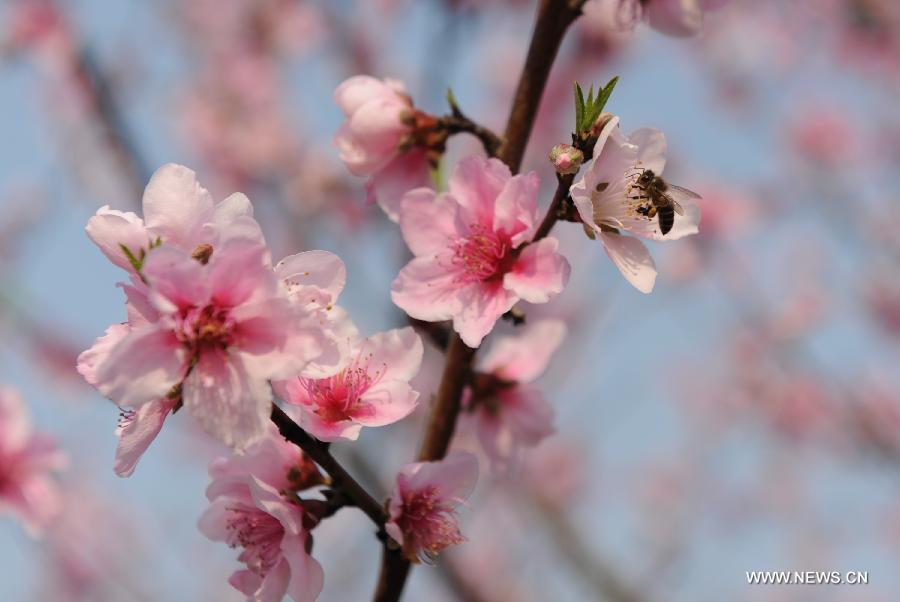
(340, 478)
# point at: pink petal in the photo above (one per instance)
(632, 258)
(681, 18)
(540, 273)
(231, 405)
(428, 221)
(455, 476)
(398, 352)
(274, 584)
(90, 359)
(476, 183)
(482, 306)
(319, 275)
(358, 90)
(139, 433)
(240, 272)
(267, 499)
(176, 280)
(110, 229)
(405, 172)
(524, 357)
(516, 209)
(246, 582)
(386, 403)
(528, 414)
(307, 577)
(651, 144)
(426, 290)
(14, 422)
(142, 367)
(176, 206)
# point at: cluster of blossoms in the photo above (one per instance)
(216, 327)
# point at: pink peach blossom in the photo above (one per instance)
(604, 197)
(474, 256)
(250, 514)
(423, 518)
(371, 142)
(680, 18)
(273, 460)
(178, 212)
(222, 330)
(505, 411)
(372, 389)
(27, 460)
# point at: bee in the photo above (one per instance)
(660, 197)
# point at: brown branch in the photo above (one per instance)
(458, 122)
(553, 19)
(340, 478)
(442, 421)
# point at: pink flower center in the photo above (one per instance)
(339, 398)
(259, 534)
(482, 255)
(429, 521)
(205, 328)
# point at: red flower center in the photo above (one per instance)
(259, 534)
(429, 522)
(482, 255)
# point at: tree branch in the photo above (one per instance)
(340, 478)
(553, 19)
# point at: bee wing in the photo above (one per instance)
(678, 192)
(675, 204)
(684, 192)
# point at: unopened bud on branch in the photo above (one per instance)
(566, 159)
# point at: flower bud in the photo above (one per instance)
(566, 159)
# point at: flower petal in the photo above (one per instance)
(524, 357)
(142, 367)
(632, 258)
(139, 433)
(540, 273)
(176, 206)
(232, 405)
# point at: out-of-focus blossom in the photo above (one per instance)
(474, 256)
(824, 137)
(610, 201)
(506, 412)
(27, 461)
(423, 518)
(375, 141)
(218, 332)
(680, 18)
(372, 389)
(251, 514)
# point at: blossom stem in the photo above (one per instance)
(550, 219)
(341, 480)
(459, 122)
(553, 19)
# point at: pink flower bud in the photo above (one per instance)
(566, 159)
